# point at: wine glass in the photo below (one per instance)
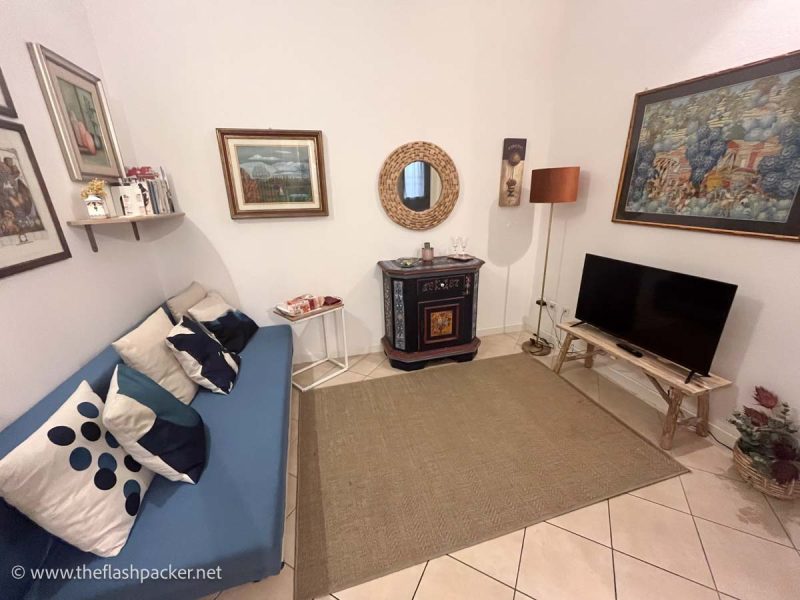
(463, 244)
(455, 244)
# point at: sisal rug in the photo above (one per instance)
(399, 470)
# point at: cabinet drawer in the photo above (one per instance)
(444, 287)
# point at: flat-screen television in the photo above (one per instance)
(679, 317)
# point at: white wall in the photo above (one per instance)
(56, 317)
(371, 76)
(610, 51)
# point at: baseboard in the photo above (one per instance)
(303, 356)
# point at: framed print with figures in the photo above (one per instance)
(273, 173)
(77, 104)
(6, 103)
(718, 153)
(30, 235)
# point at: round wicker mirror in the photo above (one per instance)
(418, 185)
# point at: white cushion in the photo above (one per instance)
(73, 479)
(179, 304)
(145, 350)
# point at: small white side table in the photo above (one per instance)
(321, 312)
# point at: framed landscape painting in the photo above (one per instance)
(6, 104)
(273, 173)
(719, 153)
(77, 104)
(30, 235)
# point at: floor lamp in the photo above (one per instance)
(550, 186)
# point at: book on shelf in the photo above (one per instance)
(142, 192)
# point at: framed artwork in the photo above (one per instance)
(77, 104)
(273, 173)
(30, 235)
(719, 153)
(512, 171)
(6, 103)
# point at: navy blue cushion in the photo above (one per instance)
(233, 329)
(233, 518)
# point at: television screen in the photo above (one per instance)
(679, 317)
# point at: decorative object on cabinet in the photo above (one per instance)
(550, 186)
(332, 305)
(418, 185)
(718, 153)
(30, 234)
(79, 111)
(430, 311)
(427, 252)
(767, 455)
(6, 103)
(273, 173)
(512, 170)
(94, 197)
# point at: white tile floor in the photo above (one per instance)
(701, 536)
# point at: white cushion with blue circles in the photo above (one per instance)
(72, 478)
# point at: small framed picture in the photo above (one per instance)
(6, 104)
(30, 235)
(512, 170)
(77, 104)
(273, 173)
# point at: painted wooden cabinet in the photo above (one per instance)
(430, 311)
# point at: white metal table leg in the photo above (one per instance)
(343, 367)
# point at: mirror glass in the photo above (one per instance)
(419, 186)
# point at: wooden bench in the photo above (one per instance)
(668, 378)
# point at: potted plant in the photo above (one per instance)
(767, 454)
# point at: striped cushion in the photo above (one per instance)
(202, 357)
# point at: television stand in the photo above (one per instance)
(669, 379)
(630, 349)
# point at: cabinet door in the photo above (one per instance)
(444, 311)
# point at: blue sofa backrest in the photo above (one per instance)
(22, 542)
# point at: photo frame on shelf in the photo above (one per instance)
(30, 234)
(6, 103)
(78, 108)
(718, 153)
(273, 173)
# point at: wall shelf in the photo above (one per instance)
(88, 224)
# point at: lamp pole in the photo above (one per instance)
(538, 341)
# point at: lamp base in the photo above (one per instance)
(537, 346)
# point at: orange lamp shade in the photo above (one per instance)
(556, 185)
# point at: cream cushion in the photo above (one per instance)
(145, 350)
(180, 304)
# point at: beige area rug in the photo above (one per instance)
(399, 470)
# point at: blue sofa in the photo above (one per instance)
(232, 519)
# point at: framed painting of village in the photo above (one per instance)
(719, 153)
(273, 173)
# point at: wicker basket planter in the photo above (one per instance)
(744, 464)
